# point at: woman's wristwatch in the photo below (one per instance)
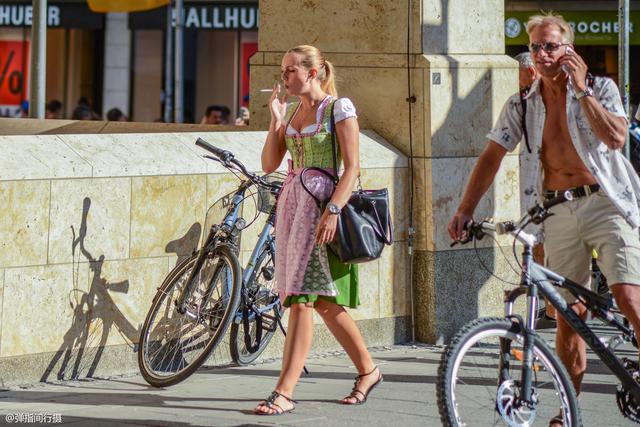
(333, 208)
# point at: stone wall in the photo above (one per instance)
(447, 57)
(91, 224)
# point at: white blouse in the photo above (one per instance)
(343, 109)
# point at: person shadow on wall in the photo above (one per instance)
(95, 315)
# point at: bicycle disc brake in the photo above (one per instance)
(511, 409)
(626, 402)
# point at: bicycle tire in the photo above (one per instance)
(173, 346)
(261, 291)
(460, 399)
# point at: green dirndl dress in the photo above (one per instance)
(314, 149)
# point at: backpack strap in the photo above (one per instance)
(523, 122)
(523, 101)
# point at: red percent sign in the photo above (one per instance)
(13, 71)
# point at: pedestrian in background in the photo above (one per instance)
(53, 110)
(309, 277)
(116, 115)
(243, 117)
(216, 115)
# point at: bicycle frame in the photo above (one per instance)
(265, 240)
(228, 224)
(536, 277)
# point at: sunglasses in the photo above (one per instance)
(547, 47)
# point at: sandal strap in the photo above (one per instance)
(274, 395)
(368, 373)
(557, 419)
(354, 394)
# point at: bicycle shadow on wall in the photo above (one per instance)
(95, 315)
(186, 245)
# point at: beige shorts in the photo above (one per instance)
(586, 223)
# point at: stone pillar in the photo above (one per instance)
(117, 61)
(450, 57)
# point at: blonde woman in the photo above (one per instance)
(308, 275)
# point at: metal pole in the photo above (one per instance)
(168, 68)
(38, 60)
(623, 60)
(179, 78)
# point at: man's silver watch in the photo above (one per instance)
(586, 92)
(333, 208)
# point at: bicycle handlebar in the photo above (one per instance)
(537, 214)
(223, 155)
(227, 158)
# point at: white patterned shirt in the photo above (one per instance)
(610, 168)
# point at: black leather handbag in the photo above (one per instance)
(364, 224)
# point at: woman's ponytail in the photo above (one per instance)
(328, 85)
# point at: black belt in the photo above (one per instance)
(582, 191)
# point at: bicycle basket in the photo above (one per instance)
(266, 200)
(217, 211)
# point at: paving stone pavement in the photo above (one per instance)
(225, 396)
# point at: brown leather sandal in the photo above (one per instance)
(356, 393)
(270, 402)
(558, 419)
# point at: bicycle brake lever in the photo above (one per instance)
(541, 217)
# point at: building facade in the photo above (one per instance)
(120, 60)
(595, 24)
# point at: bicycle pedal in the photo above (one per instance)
(630, 365)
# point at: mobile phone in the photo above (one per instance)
(568, 51)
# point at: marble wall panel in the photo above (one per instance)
(395, 284)
(104, 205)
(449, 179)
(379, 95)
(57, 295)
(25, 222)
(423, 221)
(113, 155)
(245, 146)
(39, 157)
(466, 102)
(166, 214)
(122, 291)
(397, 183)
(1, 301)
(462, 27)
(336, 26)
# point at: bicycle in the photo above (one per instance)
(209, 292)
(502, 366)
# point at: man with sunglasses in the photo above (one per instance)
(576, 126)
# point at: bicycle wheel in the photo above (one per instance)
(479, 379)
(173, 345)
(250, 334)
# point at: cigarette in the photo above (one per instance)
(266, 90)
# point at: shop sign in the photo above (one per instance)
(589, 27)
(61, 15)
(199, 16)
(14, 59)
